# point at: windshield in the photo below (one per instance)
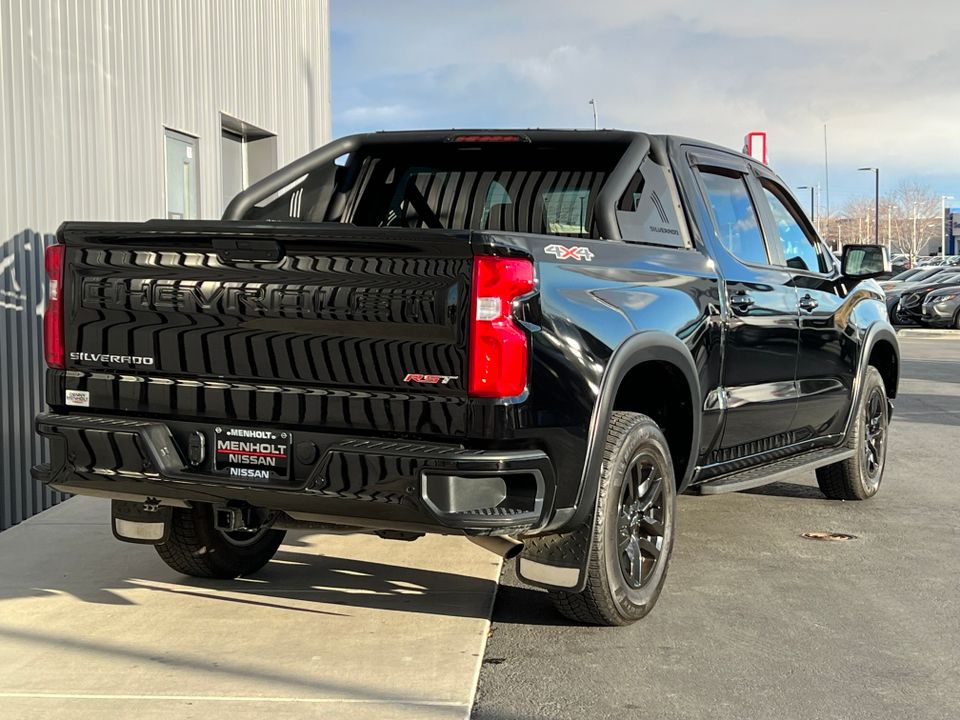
(925, 274)
(905, 275)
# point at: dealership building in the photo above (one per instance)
(116, 110)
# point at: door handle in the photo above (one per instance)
(741, 302)
(808, 303)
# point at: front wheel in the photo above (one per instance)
(858, 477)
(633, 532)
(196, 547)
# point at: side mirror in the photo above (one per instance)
(865, 261)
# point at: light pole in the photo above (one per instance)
(811, 188)
(876, 203)
(596, 123)
(943, 223)
(915, 247)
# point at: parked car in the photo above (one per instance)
(939, 260)
(904, 303)
(900, 262)
(941, 308)
(535, 339)
(914, 275)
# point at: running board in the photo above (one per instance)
(766, 474)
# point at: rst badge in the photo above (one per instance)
(429, 379)
(562, 252)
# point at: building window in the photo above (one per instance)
(247, 154)
(183, 176)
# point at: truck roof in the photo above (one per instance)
(604, 135)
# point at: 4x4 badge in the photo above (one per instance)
(561, 252)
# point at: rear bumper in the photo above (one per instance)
(358, 481)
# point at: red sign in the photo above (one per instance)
(755, 145)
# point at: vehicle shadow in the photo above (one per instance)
(788, 490)
(301, 580)
(295, 581)
(521, 605)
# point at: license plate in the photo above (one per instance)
(250, 454)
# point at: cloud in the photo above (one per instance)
(376, 113)
(878, 73)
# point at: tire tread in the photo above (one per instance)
(594, 605)
(841, 481)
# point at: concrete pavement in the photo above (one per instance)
(334, 627)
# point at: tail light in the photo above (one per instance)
(498, 346)
(53, 343)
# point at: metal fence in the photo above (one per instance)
(22, 290)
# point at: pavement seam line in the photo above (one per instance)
(483, 644)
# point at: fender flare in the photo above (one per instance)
(558, 561)
(874, 334)
(645, 346)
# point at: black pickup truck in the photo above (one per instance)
(533, 338)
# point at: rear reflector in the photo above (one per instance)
(498, 346)
(53, 315)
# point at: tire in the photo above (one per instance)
(195, 547)
(956, 321)
(858, 478)
(633, 532)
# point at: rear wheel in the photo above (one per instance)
(633, 532)
(196, 547)
(858, 477)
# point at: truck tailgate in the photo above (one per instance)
(326, 325)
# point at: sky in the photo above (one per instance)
(880, 75)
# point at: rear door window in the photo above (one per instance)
(737, 223)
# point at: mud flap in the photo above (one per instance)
(136, 522)
(557, 562)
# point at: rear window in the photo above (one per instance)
(516, 187)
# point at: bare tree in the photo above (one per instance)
(909, 220)
(918, 208)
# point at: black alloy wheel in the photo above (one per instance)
(641, 520)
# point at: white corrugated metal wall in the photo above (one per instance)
(86, 90)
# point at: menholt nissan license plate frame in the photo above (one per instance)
(252, 454)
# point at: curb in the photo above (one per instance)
(928, 333)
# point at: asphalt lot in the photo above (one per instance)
(756, 622)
